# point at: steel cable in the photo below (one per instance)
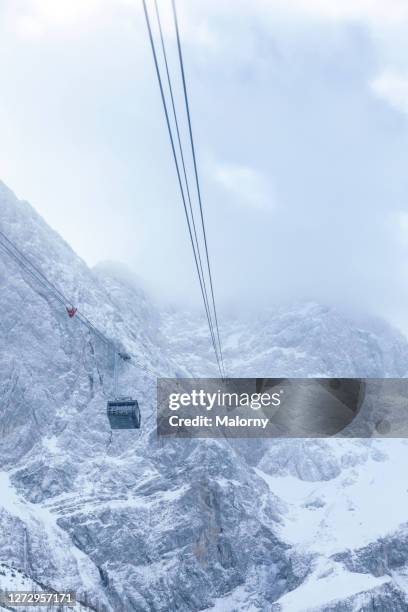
(163, 98)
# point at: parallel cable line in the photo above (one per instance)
(27, 269)
(179, 175)
(14, 252)
(40, 277)
(196, 171)
(181, 155)
(11, 248)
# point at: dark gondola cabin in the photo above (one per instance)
(123, 414)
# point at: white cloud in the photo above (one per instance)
(199, 18)
(212, 26)
(393, 88)
(375, 14)
(61, 13)
(247, 185)
(399, 221)
(372, 12)
(35, 18)
(29, 26)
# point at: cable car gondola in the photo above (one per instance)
(123, 413)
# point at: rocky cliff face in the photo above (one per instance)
(131, 522)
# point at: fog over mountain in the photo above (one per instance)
(299, 113)
(134, 522)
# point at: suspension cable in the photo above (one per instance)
(22, 260)
(12, 250)
(182, 158)
(179, 177)
(196, 171)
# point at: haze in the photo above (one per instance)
(300, 117)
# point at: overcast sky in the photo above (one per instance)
(300, 112)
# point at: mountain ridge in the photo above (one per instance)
(140, 523)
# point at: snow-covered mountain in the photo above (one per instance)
(133, 522)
